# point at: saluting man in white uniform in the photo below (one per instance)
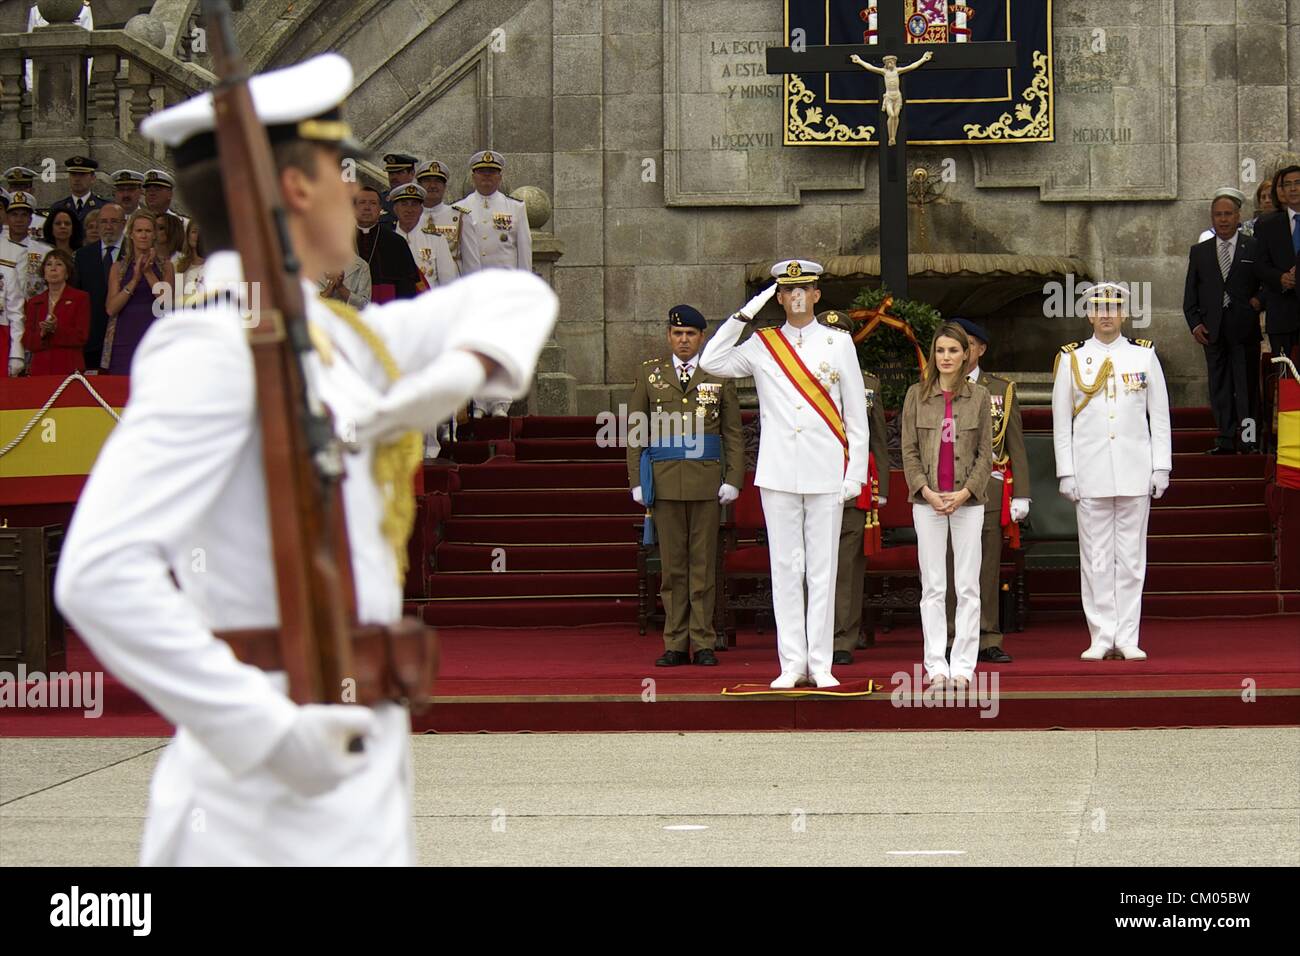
(1110, 423)
(812, 457)
(170, 541)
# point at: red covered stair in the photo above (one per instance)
(528, 522)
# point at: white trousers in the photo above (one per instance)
(803, 536)
(1113, 566)
(966, 527)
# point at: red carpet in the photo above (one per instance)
(602, 678)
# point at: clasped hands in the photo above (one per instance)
(945, 502)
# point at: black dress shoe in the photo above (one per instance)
(1221, 450)
(673, 659)
(842, 657)
(995, 655)
(1250, 449)
(705, 658)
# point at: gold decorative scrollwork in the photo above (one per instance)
(1035, 125)
(800, 126)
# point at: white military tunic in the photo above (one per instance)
(179, 488)
(431, 255)
(1111, 448)
(447, 222)
(28, 256)
(801, 469)
(496, 235)
(12, 302)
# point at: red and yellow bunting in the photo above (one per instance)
(805, 383)
(1288, 433)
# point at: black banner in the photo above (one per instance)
(943, 106)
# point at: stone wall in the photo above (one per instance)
(615, 109)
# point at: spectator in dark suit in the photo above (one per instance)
(1218, 306)
(1278, 240)
(93, 262)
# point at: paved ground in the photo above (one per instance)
(1157, 797)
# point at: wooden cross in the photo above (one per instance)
(892, 41)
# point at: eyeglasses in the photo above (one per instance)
(1290, 183)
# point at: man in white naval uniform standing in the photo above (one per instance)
(496, 236)
(812, 457)
(438, 216)
(170, 541)
(429, 250)
(1110, 424)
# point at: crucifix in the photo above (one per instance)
(891, 46)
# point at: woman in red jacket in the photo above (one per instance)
(58, 320)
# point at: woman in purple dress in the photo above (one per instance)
(139, 287)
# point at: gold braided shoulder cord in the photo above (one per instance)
(394, 464)
(1001, 433)
(1103, 376)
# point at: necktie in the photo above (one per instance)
(1295, 234)
(78, 207)
(1225, 263)
(684, 373)
(108, 260)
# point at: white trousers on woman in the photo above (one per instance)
(965, 526)
(803, 542)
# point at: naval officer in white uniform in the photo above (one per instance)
(170, 541)
(1110, 424)
(812, 457)
(496, 236)
(446, 220)
(430, 251)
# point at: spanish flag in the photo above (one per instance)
(51, 431)
(1288, 433)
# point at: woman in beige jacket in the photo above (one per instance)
(947, 437)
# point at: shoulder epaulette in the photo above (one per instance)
(1145, 343)
(653, 361)
(1073, 345)
(460, 209)
(6, 262)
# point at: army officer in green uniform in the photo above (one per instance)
(1007, 500)
(685, 459)
(853, 563)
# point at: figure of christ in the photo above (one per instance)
(891, 103)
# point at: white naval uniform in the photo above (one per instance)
(12, 316)
(431, 254)
(28, 254)
(497, 234)
(801, 469)
(179, 488)
(494, 235)
(446, 221)
(1111, 448)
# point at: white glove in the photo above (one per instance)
(882, 501)
(850, 490)
(15, 367)
(1019, 509)
(1069, 489)
(755, 305)
(1159, 483)
(636, 496)
(313, 757)
(727, 494)
(423, 399)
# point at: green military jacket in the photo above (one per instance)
(1008, 437)
(714, 408)
(879, 438)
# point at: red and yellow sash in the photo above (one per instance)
(806, 384)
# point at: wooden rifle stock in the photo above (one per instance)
(302, 458)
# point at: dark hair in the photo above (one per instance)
(175, 231)
(371, 189)
(190, 253)
(1278, 176)
(63, 256)
(205, 195)
(78, 237)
